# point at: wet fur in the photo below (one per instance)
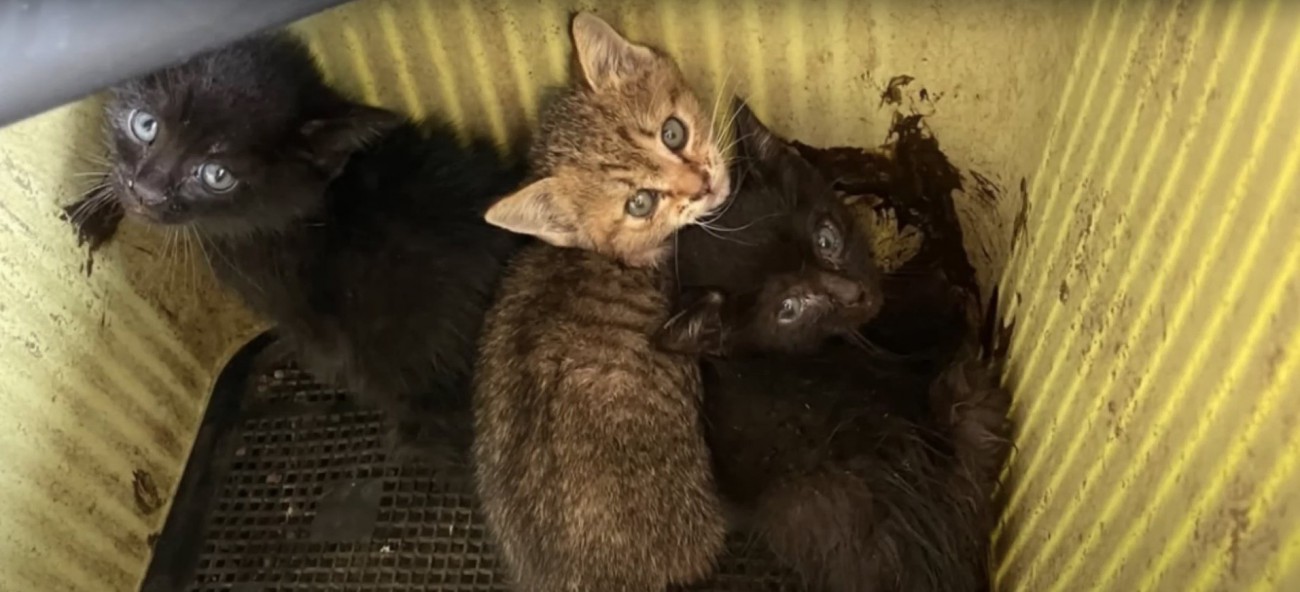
(357, 232)
(592, 468)
(860, 471)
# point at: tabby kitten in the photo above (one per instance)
(859, 472)
(358, 233)
(592, 466)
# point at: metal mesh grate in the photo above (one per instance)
(307, 501)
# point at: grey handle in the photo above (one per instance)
(56, 51)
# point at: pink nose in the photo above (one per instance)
(705, 186)
(147, 195)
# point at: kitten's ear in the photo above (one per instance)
(696, 329)
(756, 142)
(607, 59)
(330, 142)
(533, 210)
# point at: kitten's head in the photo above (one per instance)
(232, 140)
(625, 160)
(800, 271)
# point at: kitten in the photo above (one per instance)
(357, 232)
(853, 468)
(592, 466)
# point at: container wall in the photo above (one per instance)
(1153, 300)
(105, 366)
(1155, 294)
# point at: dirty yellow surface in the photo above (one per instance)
(1154, 287)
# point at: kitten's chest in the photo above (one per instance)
(270, 275)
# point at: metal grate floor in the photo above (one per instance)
(299, 497)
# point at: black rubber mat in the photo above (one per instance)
(288, 489)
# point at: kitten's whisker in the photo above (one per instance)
(858, 339)
(91, 157)
(710, 232)
(88, 206)
(717, 102)
(732, 120)
(216, 249)
(207, 260)
(751, 223)
(189, 260)
(735, 141)
(165, 266)
(711, 217)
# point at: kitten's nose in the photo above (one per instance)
(705, 185)
(147, 195)
(843, 291)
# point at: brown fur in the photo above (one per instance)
(592, 466)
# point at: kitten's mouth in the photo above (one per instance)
(135, 206)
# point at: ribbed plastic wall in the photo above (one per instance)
(1154, 287)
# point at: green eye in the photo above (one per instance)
(642, 203)
(673, 134)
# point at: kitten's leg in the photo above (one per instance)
(968, 400)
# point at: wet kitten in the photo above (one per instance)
(858, 471)
(592, 466)
(358, 233)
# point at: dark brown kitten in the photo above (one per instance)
(591, 460)
(860, 472)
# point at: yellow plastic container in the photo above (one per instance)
(1155, 288)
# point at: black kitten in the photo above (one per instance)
(857, 470)
(360, 234)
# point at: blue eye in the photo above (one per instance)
(144, 126)
(217, 178)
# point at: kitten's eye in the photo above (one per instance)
(216, 178)
(642, 203)
(673, 134)
(828, 240)
(790, 310)
(144, 126)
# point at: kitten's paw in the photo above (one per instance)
(969, 399)
(696, 328)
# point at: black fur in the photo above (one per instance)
(359, 233)
(859, 470)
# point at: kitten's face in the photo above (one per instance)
(229, 141)
(808, 276)
(630, 158)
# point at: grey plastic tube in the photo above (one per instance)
(56, 51)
